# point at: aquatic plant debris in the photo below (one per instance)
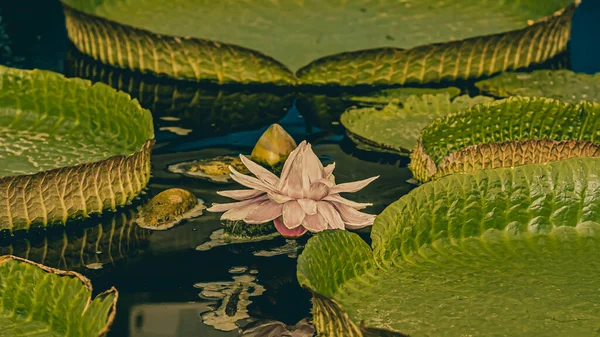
(304, 198)
(270, 328)
(170, 208)
(221, 238)
(234, 297)
(215, 170)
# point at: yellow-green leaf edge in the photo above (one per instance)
(77, 191)
(193, 59)
(98, 314)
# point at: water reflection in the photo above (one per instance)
(83, 246)
(186, 108)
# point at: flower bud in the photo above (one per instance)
(274, 146)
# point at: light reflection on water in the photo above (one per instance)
(163, 281)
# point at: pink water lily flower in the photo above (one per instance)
(305, 197)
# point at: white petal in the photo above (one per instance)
(259, 171)
(265, 212)
(308, 205)
(293, 214)
(251, 182)
(328, 170)
(240, 194)
(331, 215)
(287, 166)
(352, 186)
(354, 219)
(225, 207)
(280, 198)
(240, 212)
(350, 203)
(314, 223)
(318, 191)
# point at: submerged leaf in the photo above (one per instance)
(320, 42)
(69, 149)
(396, 127)
(564, 85)
(493, 252)
(50, 302)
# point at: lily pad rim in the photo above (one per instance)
(85, 281)
(91, 86)
(496, 102)
(295, 74)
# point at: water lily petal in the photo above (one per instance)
(241, 211)
(286, 232)
(331, 215)
(259, 171)
(280, 198)
(240, 194)
(287, 166)
(314, 223)
(352, 186)
(318, 191)
(350, 203)
(308, 205)
(293, 184)
(313, 168)
(328, 170)
(249, 181)
(225, 207)
(354, 219)
(266, 211)
(293, 214)
(326, 181)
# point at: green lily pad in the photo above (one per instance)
(509, 132)
(564, 85)
(210, 111)
(70, 148)
(324, 111)
(115, 237)
(41, 301)
(320, 42)
(507, 251)
(396, 127)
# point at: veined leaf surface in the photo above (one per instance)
(36, 300)
(564, 85)
(509, 132)
(320, 42)
(506, 251)
(69, 148)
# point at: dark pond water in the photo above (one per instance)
(162, 279)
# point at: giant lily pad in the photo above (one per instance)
(396, 127)
(507, 251)
(514, 131)
(69, 148)
(320, 42)
(564, 85)
(36, 300)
